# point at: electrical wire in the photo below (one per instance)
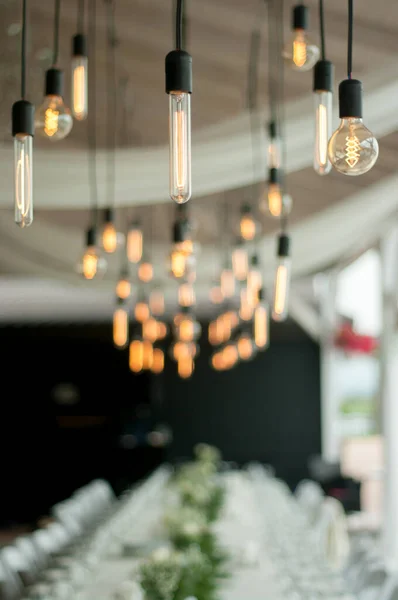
(57, 15)
(281, 106)
(322, 29)
(23, 51)
(92, 119)
(111, 103)
(350, 36)
(80, 16)
(179, 24)
(272, 84)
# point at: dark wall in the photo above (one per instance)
(266, 410)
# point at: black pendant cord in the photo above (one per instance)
(111, 104)
(92, 124)
(179, 24)
(252, 92)
(272, 60)
(322, 29)
(57, 15)
(350, 36)
(281, 105)
(80, 16)
(23, 50)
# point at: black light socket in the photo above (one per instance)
(350, 98)
(179, 232)
(300, 17)
(254, 260)
(246, 209)
(272, 129)
(23, 118)
(79, 45)
(274, 176)
(109, 215)
(54, 82)
(91, 237)
(323, 76)
(178, 66)
(283, 245)
(261, 294)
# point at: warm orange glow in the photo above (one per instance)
(136, 356)
(186, 330)
(227, 283)
(162, 330)
(280, 290)
(90, 263)
(51, 121)
(214, 334)
(254, 280)
(299, 49)
(178, 262)
(156, 303)
(216, 295)
(275, 201)
(147, 359)
(230, 319)
(79, 92)
(218, 362)
(141, 312)
(123, 289)
(186, 295)
(178, 318)
(186, 246)
(185, 367)
(261, 335)
(134, 245)
(246, 305)
(158, 361)
(245, 347)
(109, 238)
(240, 263)
(120, 327)
(150, 329)
(247, 227)
(230, 355)
(180, 149)
(145, 272)
(181, 350)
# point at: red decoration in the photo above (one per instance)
(350, 341)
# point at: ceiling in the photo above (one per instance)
(218, 36)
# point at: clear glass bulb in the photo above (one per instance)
(53, 120)
(323, 131)
(281, 289)
(23, 179)
(120, 327)
(134, 244)
(180, 146)
(79, 87)
(300, 53)
(92, 264)
(261, 325)
(353, 149)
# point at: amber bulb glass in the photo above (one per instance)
(178, 262)
(217, 361)
(186, 330)
(261, 326)
(109, 238)
(245, 347)
(185, 367)
(247, 227)
(147, 355)
(120, 327)
(134, 244)
(123, 288)
(158, 361)
(145, 272)
(150, 329)
(141, 312)
(240, 263)
(216, 295)
(246, 305)
(162, 330)
(230, 355)
(136, 356)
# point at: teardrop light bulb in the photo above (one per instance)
(323, 86)
(300, 53)
(53, 119)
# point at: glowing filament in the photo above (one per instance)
(261, 327)
(275, 200)
(22, 178)
(120, 327)
(299, 50)
(180, 149)
(134, 245)
(109, 238)
(280, 290)
(90, 265)
(79, 91)
(51, 122)
(352, 149)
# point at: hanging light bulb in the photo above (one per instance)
(254, 276)
(353, 150)
(282, 279)
(162, 330)
(156, 303)
(216, 296)
(136, 355)
(123, 286)
(150, 329)
(111, 239)
(227, 283)
(261, 322)
(300, 53)
(274, 146)
(53, 120)
(247, 224)
(218, 361)
(23, 131)
(141, 311)
(79, 77)
(240, 262)
(181, 254)
(145, 271)
(185, 367)
(323, 94)
(180, 350)
(92, 264)
(186, 295)
(147, 358)
(245, 347)
(120, 326)
(179, 88)
(230, 355)
(134, 243)
(158, 361)
(246, 304)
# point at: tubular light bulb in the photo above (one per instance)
(300, 53)
(136, 356)
(353, 150)
(178, 262)
(120, 327)
(240, 263)
(180, 146)
(185, 367)
(150, 330)
(227, 281)
(23, 179)
(216, 296)
(186, 295)
(261, 325)
(134, 243)
(323, 86)
(245, 347)
(247, 224)
(145, 272)
(158, 361)
(156, 303)
(147, 358)
(282, 280)
(79, 78)
(123, 288)
(246, 305)
(274, 147)
(141, 312)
